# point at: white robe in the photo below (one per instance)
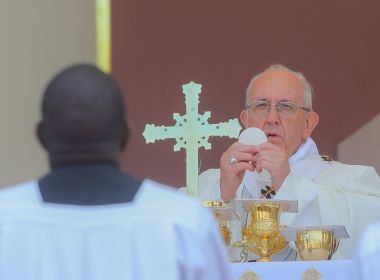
(367, 262)
(160, 235)
(328, 193)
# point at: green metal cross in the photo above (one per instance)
(191, 132)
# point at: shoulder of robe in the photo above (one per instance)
(17, 194)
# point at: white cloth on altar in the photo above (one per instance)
(329, 270)
(367, 262)
(328, 193)
(159, 235)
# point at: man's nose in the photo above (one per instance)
(272, 115)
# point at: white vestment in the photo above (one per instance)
(367, 263)
(159, 235)
(328, 193)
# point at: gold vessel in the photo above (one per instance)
(315, 245)
(224, 231)
(220, 211)
(263, 235)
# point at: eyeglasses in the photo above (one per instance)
(284, 108)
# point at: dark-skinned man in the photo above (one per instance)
(87, 219)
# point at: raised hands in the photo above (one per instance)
(239, 157)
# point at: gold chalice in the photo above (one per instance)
(224, 230)
(264, 237)
(221, 213)
(316, 245)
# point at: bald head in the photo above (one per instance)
(306, 87)
(83, 115)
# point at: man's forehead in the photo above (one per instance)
(277, 85)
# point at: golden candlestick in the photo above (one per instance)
(103, 35)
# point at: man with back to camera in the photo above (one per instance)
(87, 219)
(279, 101)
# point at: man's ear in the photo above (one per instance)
(244, 118)
(312, 120)
(124, 136)
(41, 134)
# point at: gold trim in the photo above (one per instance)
(326, 158)
(103, 35)
(311, 274)
(212, 204)
(249, 275)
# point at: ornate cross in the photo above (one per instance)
(191, 132)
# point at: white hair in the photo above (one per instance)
(307, 89)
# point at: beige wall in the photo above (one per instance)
(37, 38)
(362, 147)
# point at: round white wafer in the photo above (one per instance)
(252, 136)
(255, 136)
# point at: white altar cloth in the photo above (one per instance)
(329, 270)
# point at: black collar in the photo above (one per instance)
(98, 183)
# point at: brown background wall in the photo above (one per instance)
(160, 45)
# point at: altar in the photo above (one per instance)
(326, 270)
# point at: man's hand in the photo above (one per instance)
(231, 174)
(274, 159)
(266, 156)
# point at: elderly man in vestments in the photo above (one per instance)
(87, 219)
(279, 101)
